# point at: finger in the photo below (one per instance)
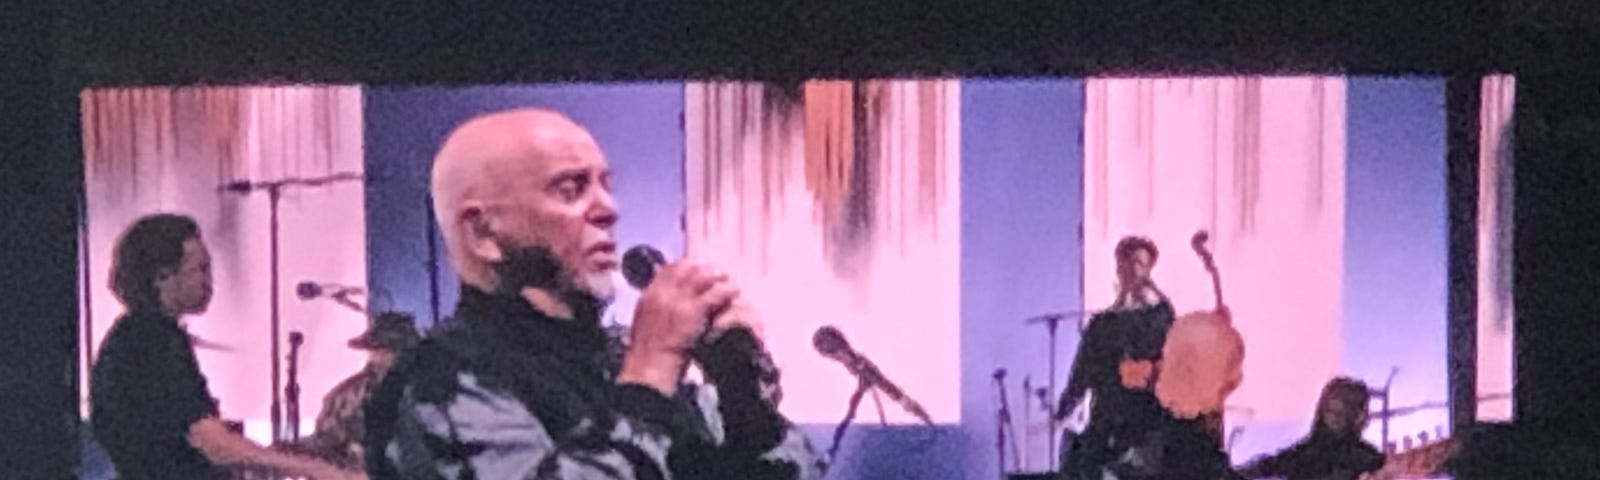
(690, 275)
(707, 281)
(670, 273)
(739, 314)
(718, 297)
(700, 277)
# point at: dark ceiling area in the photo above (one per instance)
(195, 41)
(53, 49)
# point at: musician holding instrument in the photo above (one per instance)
(150, 406)
(1131, 433)
(1334, 449)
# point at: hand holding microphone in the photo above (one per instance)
(680, 304)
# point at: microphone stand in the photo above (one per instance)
(433, 260)
(870, 381)
(345, 302)
(878, 402)
(1051, 322)
(1027, 420)
(862, 387)
(1384, 411)
(274, 191)
(291, 391)
(1050, 438)
(1003, 424)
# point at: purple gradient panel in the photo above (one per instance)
(636, 125)
(1395, 245)
(1021, 255)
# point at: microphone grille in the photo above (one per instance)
(307, 290)
(828, 341)
(639, 265)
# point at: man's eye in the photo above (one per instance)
(570, 189)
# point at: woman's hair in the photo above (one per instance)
(1132, 244)
(1345, 396)
(150, 248)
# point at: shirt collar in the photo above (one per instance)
(510, 317)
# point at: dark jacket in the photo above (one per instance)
(506, 392)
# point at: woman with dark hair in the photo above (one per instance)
(1334, 450)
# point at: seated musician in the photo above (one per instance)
(150, 407)
(340, 425)
(1334, 450)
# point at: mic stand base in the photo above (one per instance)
(883, 420)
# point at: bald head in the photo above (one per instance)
(523, 200)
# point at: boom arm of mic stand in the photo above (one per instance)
(315, 181)
(873, 377)
(350, 304)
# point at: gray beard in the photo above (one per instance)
(534, 266)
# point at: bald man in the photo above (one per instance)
(524, 382)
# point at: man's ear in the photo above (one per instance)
(478, 233)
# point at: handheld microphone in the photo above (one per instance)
(1198, 241)
(340, 294)
(308, 290)
(639, 265)
(830, 342)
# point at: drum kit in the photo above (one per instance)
(291, 442)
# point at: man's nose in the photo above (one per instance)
(603, 213)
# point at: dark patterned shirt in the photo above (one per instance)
(505, 392)
(340, 426)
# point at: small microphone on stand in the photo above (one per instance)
(831, 343)
(309, 290)
(338, 293)
(1198, 241)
